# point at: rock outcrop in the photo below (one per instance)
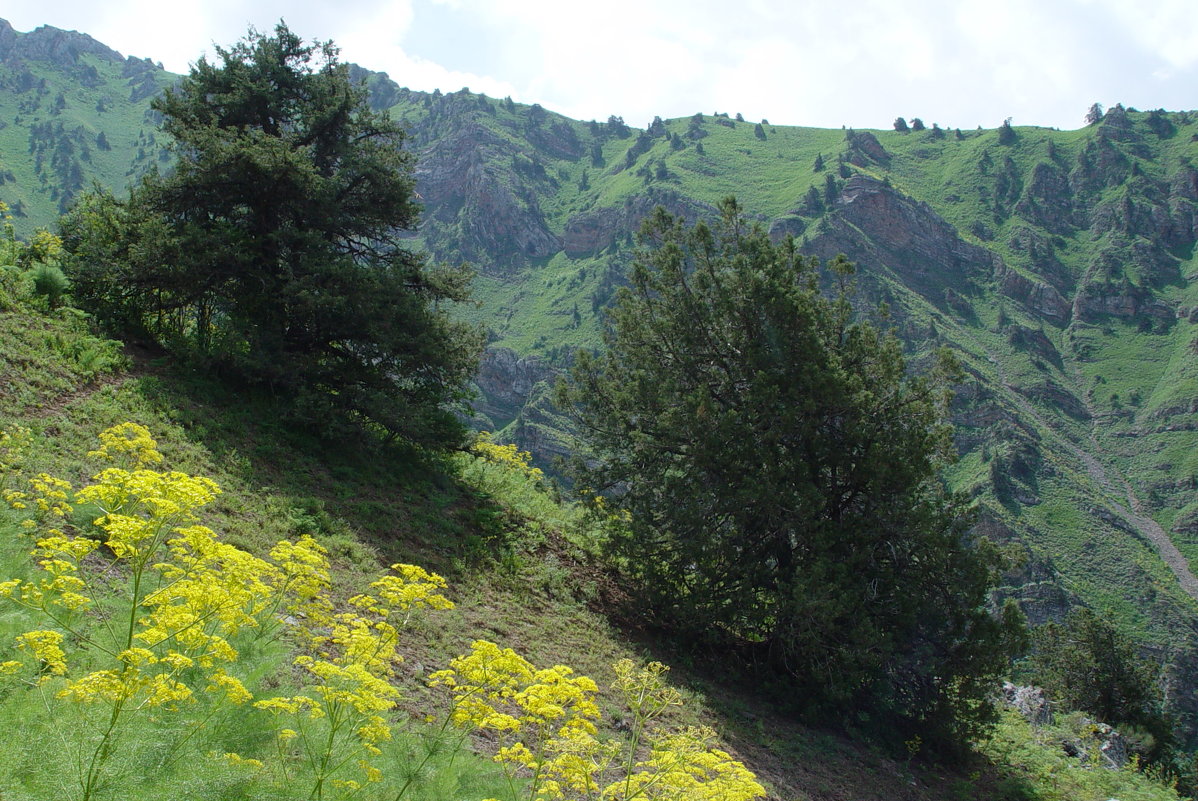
(589, 232)
(1047, 200)
(1090, 742)
(1030, 702)
(874, 224)
(506, 381)
(476, 209)
(1041, 298)
(50, 44)
(864, 149)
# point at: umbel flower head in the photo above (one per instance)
(545, 720)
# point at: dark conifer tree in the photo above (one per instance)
(778, 466)
(273, 251)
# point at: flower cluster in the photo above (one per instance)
(496, 688)
(684, 766)
(47, 499)
(14, 444)
(127, 443)
(545, 720)
(189, 601)
(509, 455)
(304, 575)
(187, 594)
(342, 712)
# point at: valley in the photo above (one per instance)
(1058, 266)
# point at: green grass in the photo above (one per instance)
(522, 569)
(514, 553)
(1041, 771)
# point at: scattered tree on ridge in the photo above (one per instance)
(1006, 134)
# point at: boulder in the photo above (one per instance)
(1030, 702)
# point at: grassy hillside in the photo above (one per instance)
(521, 567)
(1057, 264)
(67, 121)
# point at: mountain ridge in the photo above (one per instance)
(1059, 265)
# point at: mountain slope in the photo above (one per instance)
(1058, 264)
(72, 111)
(520, 568)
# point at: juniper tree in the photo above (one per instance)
(273, 250)
(778, 462)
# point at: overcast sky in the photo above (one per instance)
(825, 63)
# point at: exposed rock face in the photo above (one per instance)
(1185, 184)
(864, 149)
(1097, 742)
(1095, 301)
(1035, 341)
(1055, 396)
(557, 139)
(1099, 165)
(137, 67)
(507, 381)
(1030, 702)
(976, 408)
(1117, 125)
(8, 38)
(1046, 201)
(790, 225)
(1037, 296)
(383, 92)
(475, 210)
(517, 390)
(1044, 601)
(592, 231)
(1091, 743)
(50, 44)
(1041, 253)
(874, 224)
(536, 434)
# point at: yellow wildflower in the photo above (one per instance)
(46, 646)
(240, 761)
(127, 441)
(234, 691)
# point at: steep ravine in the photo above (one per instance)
(1148, 528)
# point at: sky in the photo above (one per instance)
(823, 63)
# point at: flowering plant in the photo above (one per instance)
(545, 722)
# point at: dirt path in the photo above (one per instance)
(1132, 512)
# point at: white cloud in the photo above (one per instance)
(815, 62)
(1168, 28)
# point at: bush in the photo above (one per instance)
(51, 283)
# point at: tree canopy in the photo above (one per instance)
(776, 464)
(273, 250)
(1087, 664)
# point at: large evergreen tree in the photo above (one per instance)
(273, 249)
(778, 464)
